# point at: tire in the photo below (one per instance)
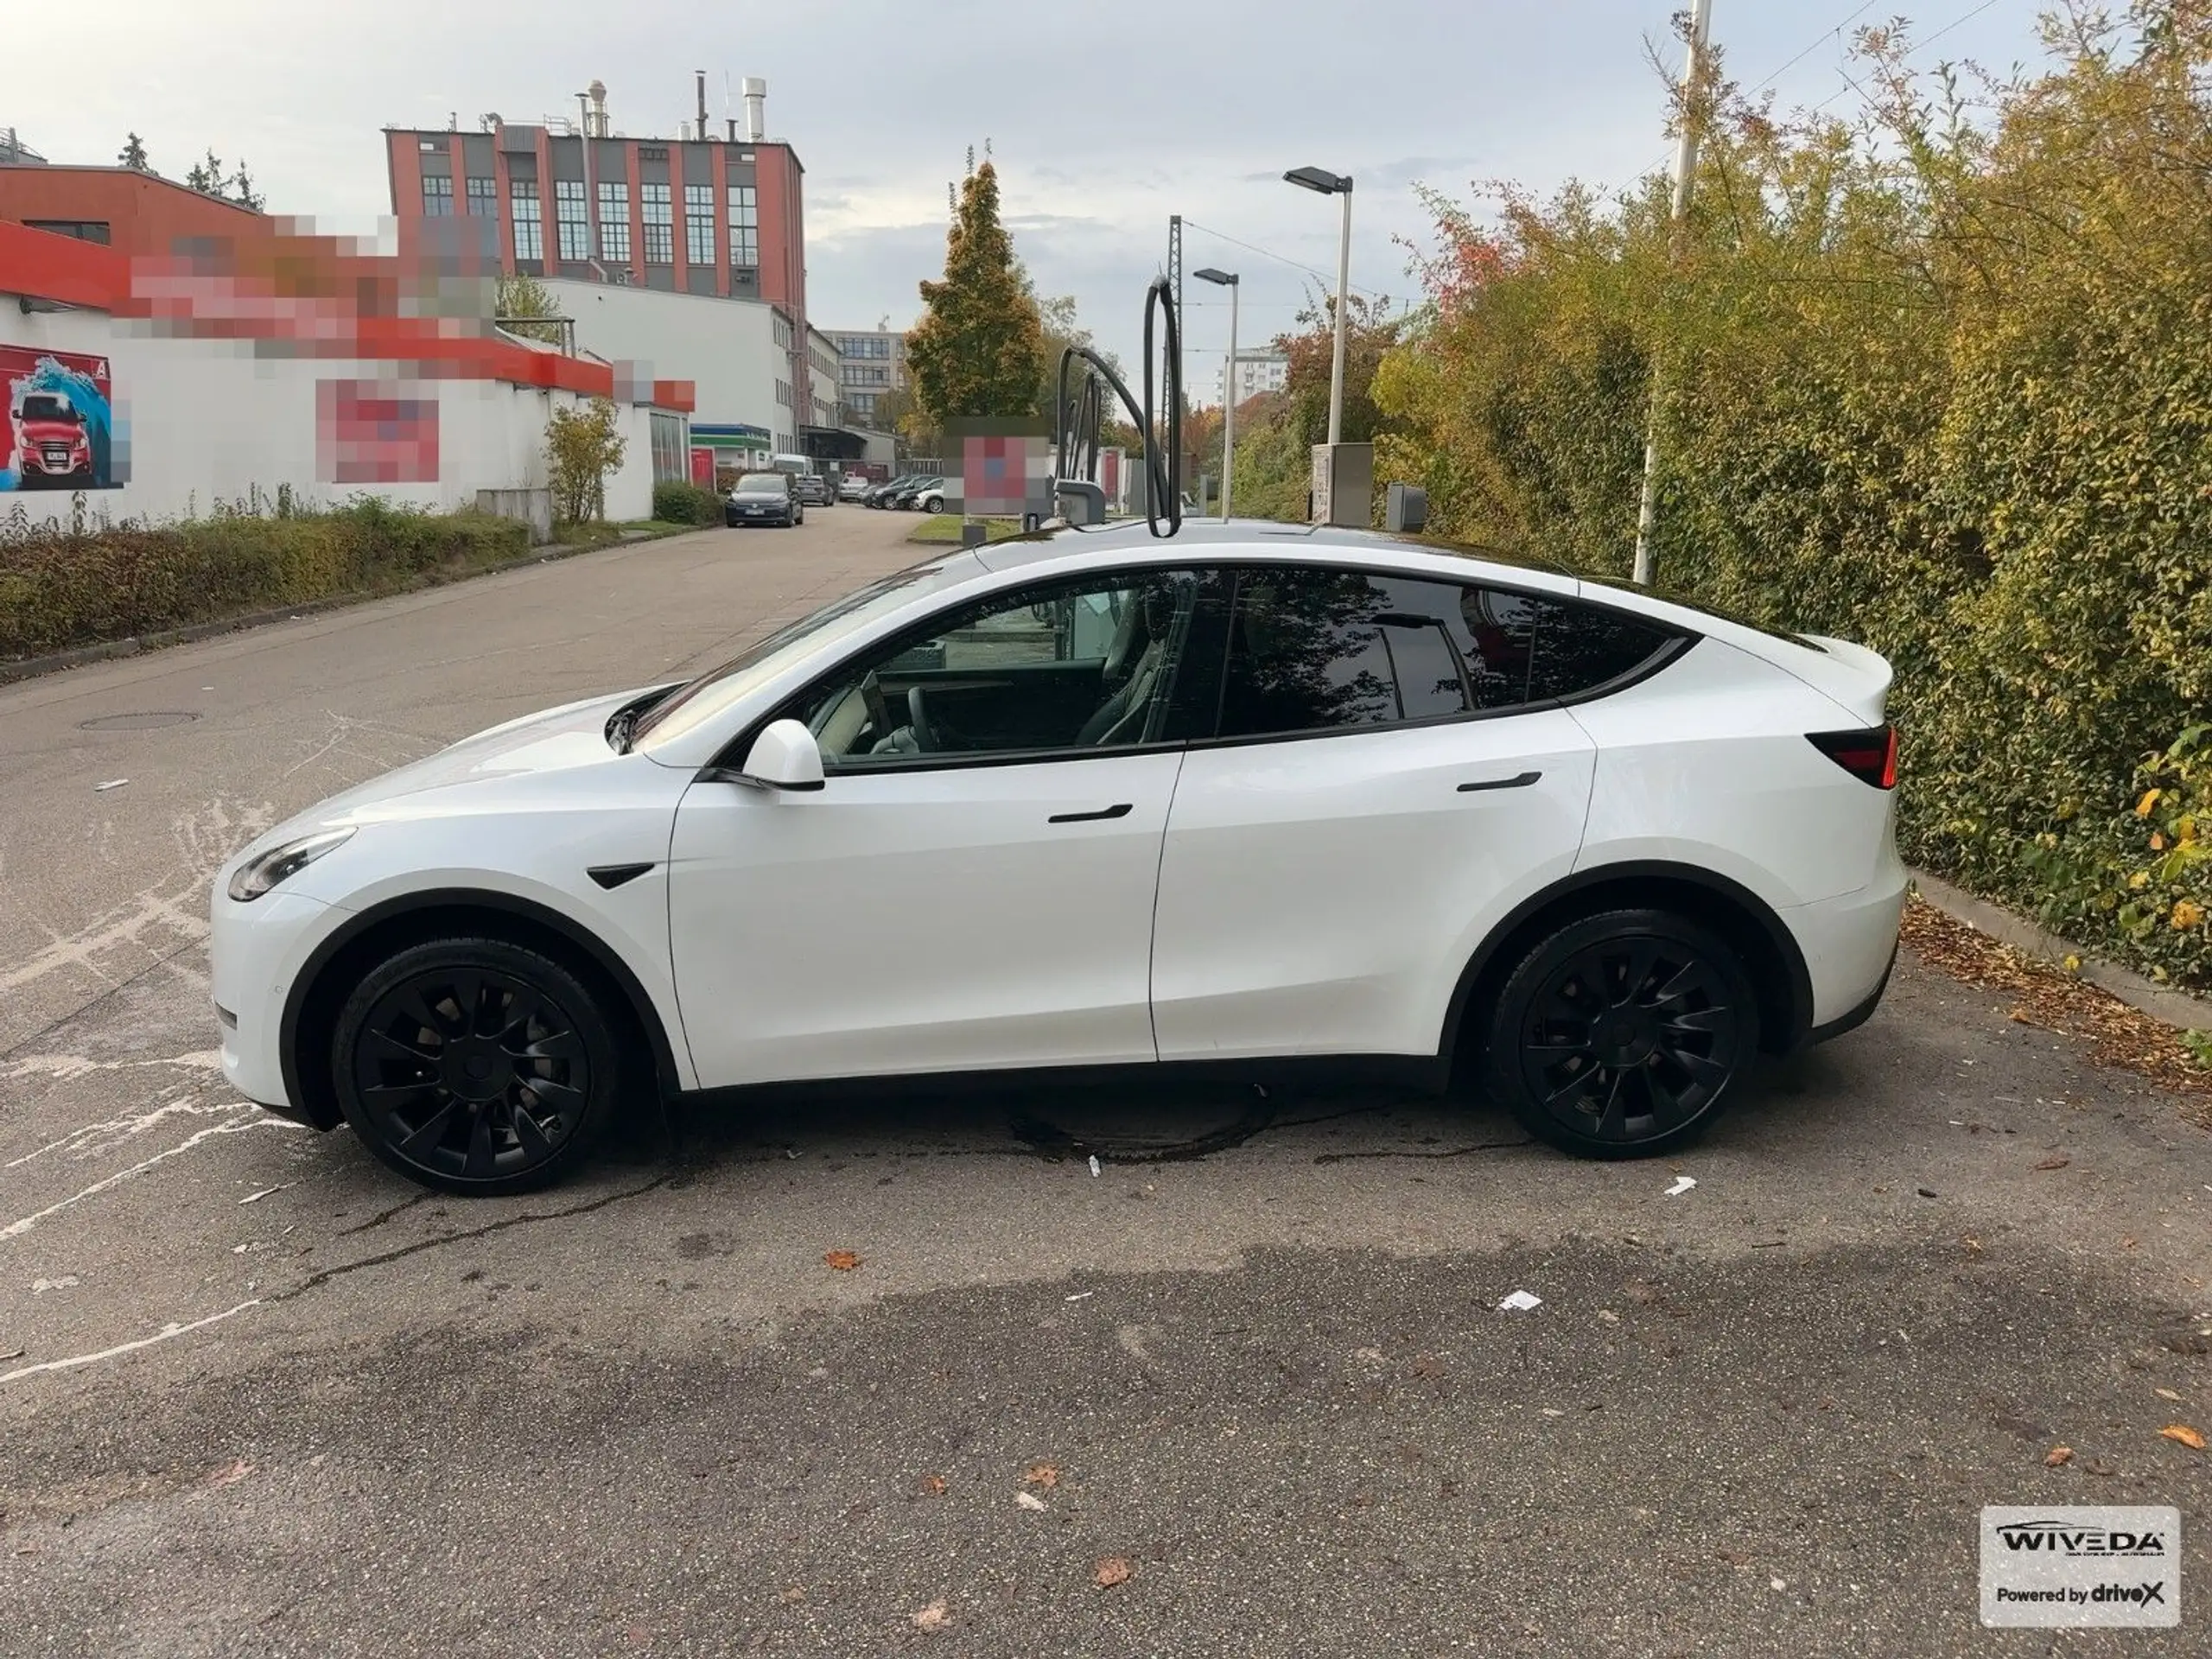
(935, 503)
(508, 1101)
(1672, 1025)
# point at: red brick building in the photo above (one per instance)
(718, 214)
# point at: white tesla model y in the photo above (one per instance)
(1256, 797)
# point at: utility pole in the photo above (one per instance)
(1226, 279)
(1685, 174)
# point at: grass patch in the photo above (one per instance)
(945, 527)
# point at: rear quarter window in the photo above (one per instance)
(1580, 649)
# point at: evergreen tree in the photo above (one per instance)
(133, 154)
(978, 349)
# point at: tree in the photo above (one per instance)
(245, 194)
(206, 176)
(133, 154)
(523, 296)
(580, 450)
(1370, 331)
(978, 349)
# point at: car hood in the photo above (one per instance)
(553, 740)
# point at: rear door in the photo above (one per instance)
(1377, 794)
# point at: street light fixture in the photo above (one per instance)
(1324, 182)
(1226, 279)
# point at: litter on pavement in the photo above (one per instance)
(1682, 1183)
(112, 783)
(1520, 1302)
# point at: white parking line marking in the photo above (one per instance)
(259, 1120)
(163, 1335)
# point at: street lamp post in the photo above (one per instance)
(1226, 279)
(1324, 182)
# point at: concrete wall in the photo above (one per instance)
(209, 419)
(726, 348)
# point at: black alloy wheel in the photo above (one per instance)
(474, 1065)
(1622, 1034)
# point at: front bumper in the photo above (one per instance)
(256, 952)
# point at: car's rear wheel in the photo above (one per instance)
(935, 503)
(1622, 1034)
(475, 1065)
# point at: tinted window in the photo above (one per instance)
(1579, 647)
(1306, 653)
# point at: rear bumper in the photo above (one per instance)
(1849, 943)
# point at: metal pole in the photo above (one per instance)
(1685, 173)
(1229, 409)
(1343, 281)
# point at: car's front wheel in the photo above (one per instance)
(475, 1065)
(1623, 1034)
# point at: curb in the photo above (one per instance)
(2180, 1009)
(27, 668)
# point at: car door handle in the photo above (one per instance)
(1122, 811)
(1521, 781)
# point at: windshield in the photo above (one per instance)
(48, 409)
(761, 484)
(755, 665)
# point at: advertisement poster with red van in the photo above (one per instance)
(60, 431)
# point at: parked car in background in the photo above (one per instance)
(853, 487)
(930, 498)
(881, 495)
(813, 489)
(1332, 798)
(764, 499)
(908, 498)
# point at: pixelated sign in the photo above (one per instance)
(62, 432)
(1002, 476)
(368, 432)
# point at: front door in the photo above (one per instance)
(1377, 797)
(973, 888)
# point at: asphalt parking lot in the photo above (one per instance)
(262, 1397)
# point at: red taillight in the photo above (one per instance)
(1870, 755)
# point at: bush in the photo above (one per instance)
(64, 586)
(677, 503)
(1940, 384)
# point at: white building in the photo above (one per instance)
(1257, 372)
(870, 362)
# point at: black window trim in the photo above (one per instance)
(1677, 641)
(730, 759)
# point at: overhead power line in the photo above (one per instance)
(1818, 41)
(1190, 224)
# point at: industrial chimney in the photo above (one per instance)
(756, 100)
(597, 90)
(701, 75)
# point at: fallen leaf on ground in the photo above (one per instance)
(2058, 1454)
(1029, 1500)
(841, 1260)
(1112, 1570)
(2053, 1163)
(2167, 1394)
(933, 1616)
(1042, 1474)
(2054, 1000)
(239, 1471)
(792, 1597)
(2188, 1436)
(933, 1485)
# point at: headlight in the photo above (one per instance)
(256, 875)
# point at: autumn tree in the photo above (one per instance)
(978, 349)
(582, 447)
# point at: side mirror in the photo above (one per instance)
(784, 756)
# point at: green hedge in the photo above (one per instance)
(677, 503)
(1944, 387)
(62, 587)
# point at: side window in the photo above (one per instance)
(1579, 647)
(1076, 667)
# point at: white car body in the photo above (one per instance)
(1331, 894)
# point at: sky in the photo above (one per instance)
(1102, 121)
